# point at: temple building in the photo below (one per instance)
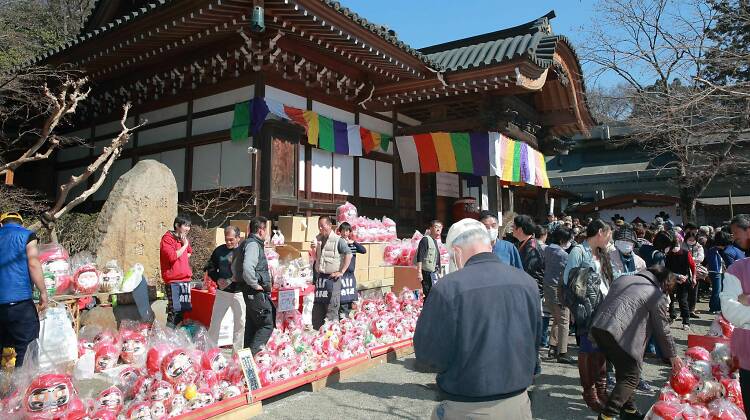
(337, 107)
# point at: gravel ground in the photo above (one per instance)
(398, 391)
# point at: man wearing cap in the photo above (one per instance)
(19, 269)
(489, 361)
(624, 261)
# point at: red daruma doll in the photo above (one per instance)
(48, 396)
(177, 367)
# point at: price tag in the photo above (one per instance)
(288, 300)
(249, 369)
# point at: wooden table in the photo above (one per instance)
(71, 303)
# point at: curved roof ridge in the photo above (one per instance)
(531, 27)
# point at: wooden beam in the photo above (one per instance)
(461, 124)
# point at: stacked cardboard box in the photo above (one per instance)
(294, 228)
(371, 272)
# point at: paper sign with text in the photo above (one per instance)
(249, 369)
(288, 300)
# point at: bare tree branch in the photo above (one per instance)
(216, 207)
(104, 161)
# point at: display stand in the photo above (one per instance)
(705, 341)
(238, 408)
(203, 304)
(71, 303)
(404, 276)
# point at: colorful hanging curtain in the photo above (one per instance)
(248, 119)
(328, 134)
(477, 154)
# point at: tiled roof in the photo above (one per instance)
(380, 30)
(534, 40)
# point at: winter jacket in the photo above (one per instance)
(715, 260)
(478, 329)
(533, 261)
(635, 309)
(696, 251)
(681, 262)
(732, 254)
(174, 268)
(737, 282)
(555, 259)
(618, 267)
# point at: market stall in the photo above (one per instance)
(707, 387)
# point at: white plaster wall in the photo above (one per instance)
(229, 97)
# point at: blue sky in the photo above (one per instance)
(427, 22)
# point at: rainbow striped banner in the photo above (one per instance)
(480, 154)
(331, 135)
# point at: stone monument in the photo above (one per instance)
(140, 208)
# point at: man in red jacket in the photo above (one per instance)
(174, 253)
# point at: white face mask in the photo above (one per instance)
(625, 247)
(493, 233)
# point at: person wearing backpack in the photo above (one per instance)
(587, 276)
(635, 308)
(555, 259)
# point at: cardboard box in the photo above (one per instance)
(288, 252)
(375, 254)
(374, 284)
(312, 228)
(243, 225)
(294, 228)
(405, 277)
(388, 272)
(218, 237)
(302, 246)
(363, 276)
(376, 273)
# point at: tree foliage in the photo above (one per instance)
(31, 27)
(670, 53)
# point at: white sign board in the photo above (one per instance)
(288, 300)
(447, 184)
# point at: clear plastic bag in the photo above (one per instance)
(56, 262)
(132, 278)
(57, 342)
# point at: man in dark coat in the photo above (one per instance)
(484, 357)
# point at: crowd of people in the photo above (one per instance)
(618, 286)
(506, 300)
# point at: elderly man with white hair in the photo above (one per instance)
(478, 330)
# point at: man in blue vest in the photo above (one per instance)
(19, 268)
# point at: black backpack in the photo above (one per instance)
(582, 295)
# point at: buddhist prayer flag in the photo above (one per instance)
(444, 150)
(368, 144)
(385, 141)
(428, 160)
(323, 132)
(407, 151)
(259, 112)
(340, 137)
(241, 124)
(474, 154)
(479, 144)
(312, 122)
(325, 136)
(354, 139)
(462, 151)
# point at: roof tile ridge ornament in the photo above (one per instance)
(543, 23)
